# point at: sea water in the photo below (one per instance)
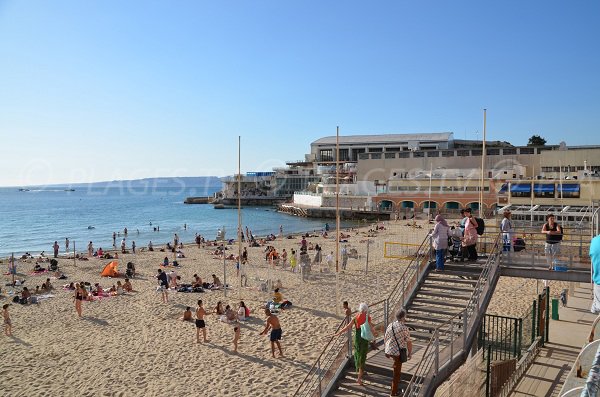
(30, 221)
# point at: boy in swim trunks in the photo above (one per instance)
(200, 324)
(275, 337)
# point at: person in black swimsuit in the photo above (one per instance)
(79, 296)
(200, 324)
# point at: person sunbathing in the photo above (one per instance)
(243, 312)
(229, 316)
(120, 290)
(218, 310)
(98, 291)
(216, 284)
(127, 287)
(277, 296)
(25, 295)
(187, 314)
(197, 281)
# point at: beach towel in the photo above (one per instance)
(36, 273)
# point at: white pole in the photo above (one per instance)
(337, 218)
(13, 268)
(240, 218)
(224, 271)
(481, 211)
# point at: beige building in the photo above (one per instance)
(413, 172)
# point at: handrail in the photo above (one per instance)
(311, 384)
(431, 355)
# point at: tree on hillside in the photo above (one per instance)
(536, 140)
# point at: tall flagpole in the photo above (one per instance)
(337, 218)
(240, 216)
(481, 211)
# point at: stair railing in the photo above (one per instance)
(336, 354)
(450, 340)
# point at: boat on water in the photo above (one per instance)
(69, 190)
(23, 190)
(219, 206)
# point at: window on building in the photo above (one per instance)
(448, 153)
(476, 152)
(509, 151)
(404, 155)
(326, 155)
(434, 153)
(344, 154)
(390, 155)
(545, 190)
(493, 152)
(363, 156)
(463, 153)
(418, 154)
(392, 149)
(375, 149)
(376, 156)
(527, 150)
(569, 190)
(520, 190)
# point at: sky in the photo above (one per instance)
(104, 90)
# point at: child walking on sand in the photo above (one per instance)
(236, 336)
(7, 322)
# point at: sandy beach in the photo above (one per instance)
(135, 345)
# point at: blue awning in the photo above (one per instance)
(520, 188)
(570, 187)
(543, 188)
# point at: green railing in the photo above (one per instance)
(336, 354)
(503, 334)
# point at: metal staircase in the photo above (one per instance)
(441, 306)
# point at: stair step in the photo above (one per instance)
(424, 337)
(447, 278)
(438, 303)
(447, 287)
(431, 309)
(417, 325)
(441, 294)
(424, 318)
(461, 273)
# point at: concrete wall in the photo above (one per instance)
(348, 201)
(308, 200)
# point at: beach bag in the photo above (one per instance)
(365, 331)
(480, 226)
(403, 355)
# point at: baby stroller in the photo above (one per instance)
(454, 248)
(518, 244)
(130, 271)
